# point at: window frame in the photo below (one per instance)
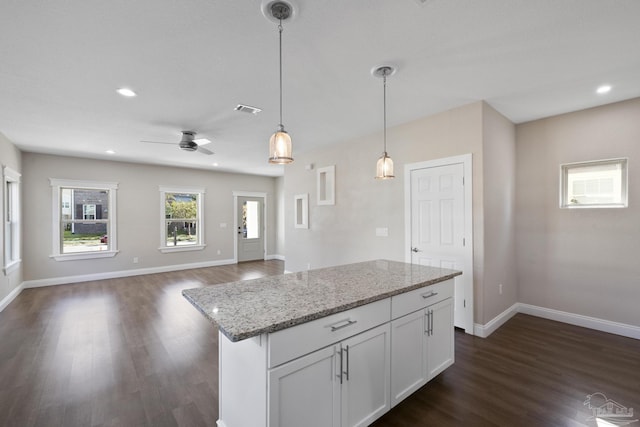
(56, 191)
(200, 245)
(564, 183)
(11, 216)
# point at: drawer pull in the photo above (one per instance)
(344, 324)
(429, 295)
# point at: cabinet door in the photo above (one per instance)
(440, 339)
(366, 376)
(408, 355)
(306, 391)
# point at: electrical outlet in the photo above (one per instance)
(135, 259)
(219, 251)
(308, 266)
(500, 288)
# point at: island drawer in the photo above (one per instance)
(411, 301)
(302, 339)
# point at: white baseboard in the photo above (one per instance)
(617, 328)
(11, 296)
(274, 256)
(123, 273)
(484, 331)
(603, 325)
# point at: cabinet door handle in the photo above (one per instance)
(431, 323)
(340, 376)
(344, 324)
(429, 295)
(347, 372)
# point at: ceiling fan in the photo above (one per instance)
(188, 143)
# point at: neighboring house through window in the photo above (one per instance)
(84, 219)
(11, 220)
(181, 213)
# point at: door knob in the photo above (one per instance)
(415, 250)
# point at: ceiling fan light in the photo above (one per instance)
(384, 167)
(280, 147)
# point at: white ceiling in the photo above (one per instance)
(193, 61)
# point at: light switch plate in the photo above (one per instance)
(382, 232)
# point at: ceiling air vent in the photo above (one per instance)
(247, 109)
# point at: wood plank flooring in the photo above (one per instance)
(134, 352)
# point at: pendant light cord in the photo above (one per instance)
(280, 32)
(384, 102)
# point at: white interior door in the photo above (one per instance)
(250, 228)
(438, 225)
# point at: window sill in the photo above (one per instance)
(11, 267)
(616, 206)
(84, 255)
(169, 249)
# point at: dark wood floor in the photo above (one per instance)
(133, 352)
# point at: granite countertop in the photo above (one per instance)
(249, 308)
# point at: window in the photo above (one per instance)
(11, 220)
(596, 184)
(84, 219)
(251, 219)
(181, 211)
(88, 211)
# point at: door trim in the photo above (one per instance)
(237, 194)
(466, 160)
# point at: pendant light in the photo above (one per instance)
(280, 142)
(384, 167)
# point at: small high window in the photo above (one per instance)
(597, 184)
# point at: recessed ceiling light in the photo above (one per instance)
(126, 92)
(214, 164)
(110, 152)
(603, 89)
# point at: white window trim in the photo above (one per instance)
(56, 185)
(163, 229)
(625, 184)
(12, 261)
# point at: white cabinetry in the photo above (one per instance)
(304, 392)
(422, 340)
(346, 384)
(440, 339)
(346, 369)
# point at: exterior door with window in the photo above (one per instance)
(437, 224)
(250, 232)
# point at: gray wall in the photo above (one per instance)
(138, 223)
(499, 180)
(580, 261)
(9, 156)
(346, 232)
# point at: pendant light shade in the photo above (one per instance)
(384, 167)
(280, 147)
(280, 142)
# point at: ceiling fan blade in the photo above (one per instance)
(205, 151)
(159, 142)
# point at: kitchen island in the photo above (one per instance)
(328, 347)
